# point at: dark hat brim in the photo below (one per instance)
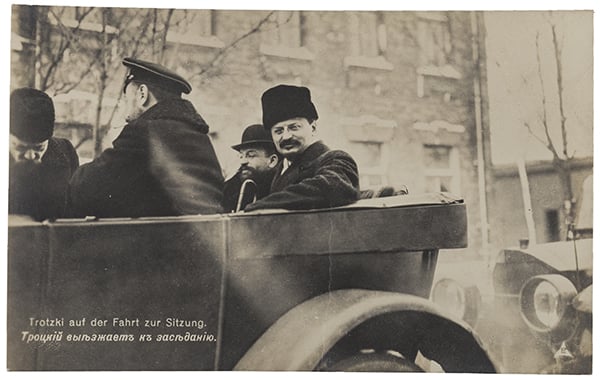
(159, 71)
(250, 143)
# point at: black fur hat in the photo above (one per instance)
(31, 115)
(285, 102)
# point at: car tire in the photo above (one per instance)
(373, 362)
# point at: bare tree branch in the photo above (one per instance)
(154, 17)
(224, 50)
(65, 88)
(103, 63)
(83, 140)
(534, 135)
(146, 20)
(561, 164)
(167, 25)
(66, 41)
(559, 82)
(549, 142)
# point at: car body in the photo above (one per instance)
(336, 289)
(543, 301)
(530, 345)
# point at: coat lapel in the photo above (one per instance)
(295, 173)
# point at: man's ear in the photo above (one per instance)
(143, 95)
(273, 161)
(313, 127)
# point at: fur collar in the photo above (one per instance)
(174, 109)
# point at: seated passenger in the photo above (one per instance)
(311, 175)
(40, 165)
(258, 158)
(162, 163)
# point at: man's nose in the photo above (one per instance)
(30, 155)
(244, 160)
(286, 134)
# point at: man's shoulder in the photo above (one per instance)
(332, 154)
(61, 152)
(178, 115)
(234, 180)
(61, 144)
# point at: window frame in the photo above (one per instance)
(453, 170)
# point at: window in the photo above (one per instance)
(369, 157)
(442, 169)
(552, 225)
(285, 29)
(368, 40)
(193, 27)
(369, 153)
(367, 34)
(194, 22)
(436, 74)
(283, 36)
(434, 39)
(82, 18)
(80, 14)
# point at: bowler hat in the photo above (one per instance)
(285, 102)
(31, 115)
(153, 73)
(255, 134)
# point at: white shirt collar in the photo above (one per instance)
(286, 164)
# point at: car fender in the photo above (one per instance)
(300, 338)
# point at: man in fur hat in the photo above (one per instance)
(258, 159)
(310, 176)
(40, 165)
(162, 163)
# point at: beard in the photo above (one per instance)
(257, 176)
(24, 167)
(246, 173)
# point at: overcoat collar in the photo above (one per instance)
(310, 154)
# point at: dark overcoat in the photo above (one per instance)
(320, 178)
(162, 164)
(39, 190)
(233, 186)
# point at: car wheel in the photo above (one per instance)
(372, 362)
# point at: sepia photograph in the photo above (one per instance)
(204, 188)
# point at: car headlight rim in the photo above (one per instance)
(542, 320)
(457, 300)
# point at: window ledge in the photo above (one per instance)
(446, 71)
(89, 26)
(17, 43)
(432, 16)
(378, 62)
(189, 39)
(301, 53)
(437, 125)
(369, 128)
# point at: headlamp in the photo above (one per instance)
(545, 303)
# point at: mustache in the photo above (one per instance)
(290, 141)
(245, 167)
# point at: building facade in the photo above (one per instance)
(402, 92)
(508, 225)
